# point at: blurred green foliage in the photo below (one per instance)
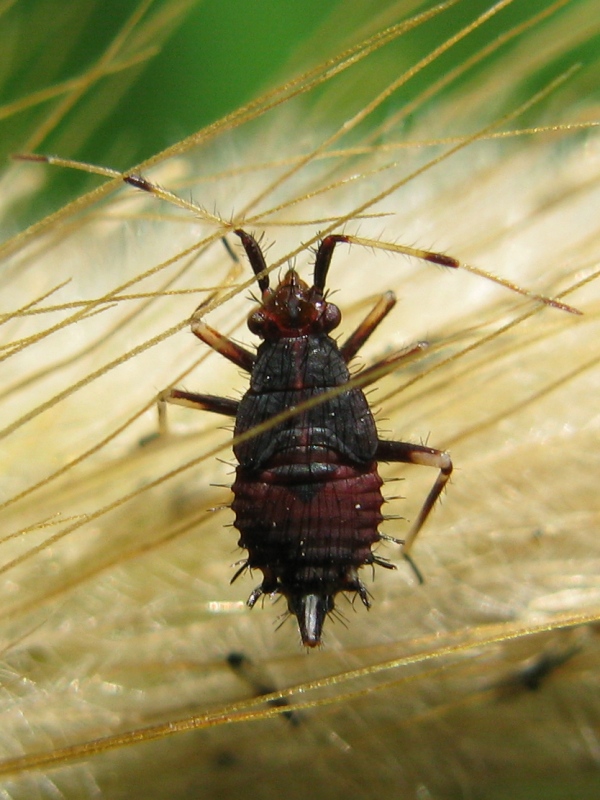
(192, 61)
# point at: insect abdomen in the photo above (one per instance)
(309, 538)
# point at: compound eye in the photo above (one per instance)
(332, 317)
(256, 322)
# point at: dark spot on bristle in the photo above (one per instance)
(30, 157)
(138, 182)
(442, 260)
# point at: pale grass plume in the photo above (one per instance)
(117, 613)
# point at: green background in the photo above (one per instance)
(217, 56)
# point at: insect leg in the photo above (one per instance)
(255, 257)
(235, 353)
(408, 453)
(389, 364)
(376, 315)
(201, 402)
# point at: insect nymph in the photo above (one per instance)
(307, 493)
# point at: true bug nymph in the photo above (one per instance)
(307, 493)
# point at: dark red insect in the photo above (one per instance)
(307, 494)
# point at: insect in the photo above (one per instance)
(307, 493)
